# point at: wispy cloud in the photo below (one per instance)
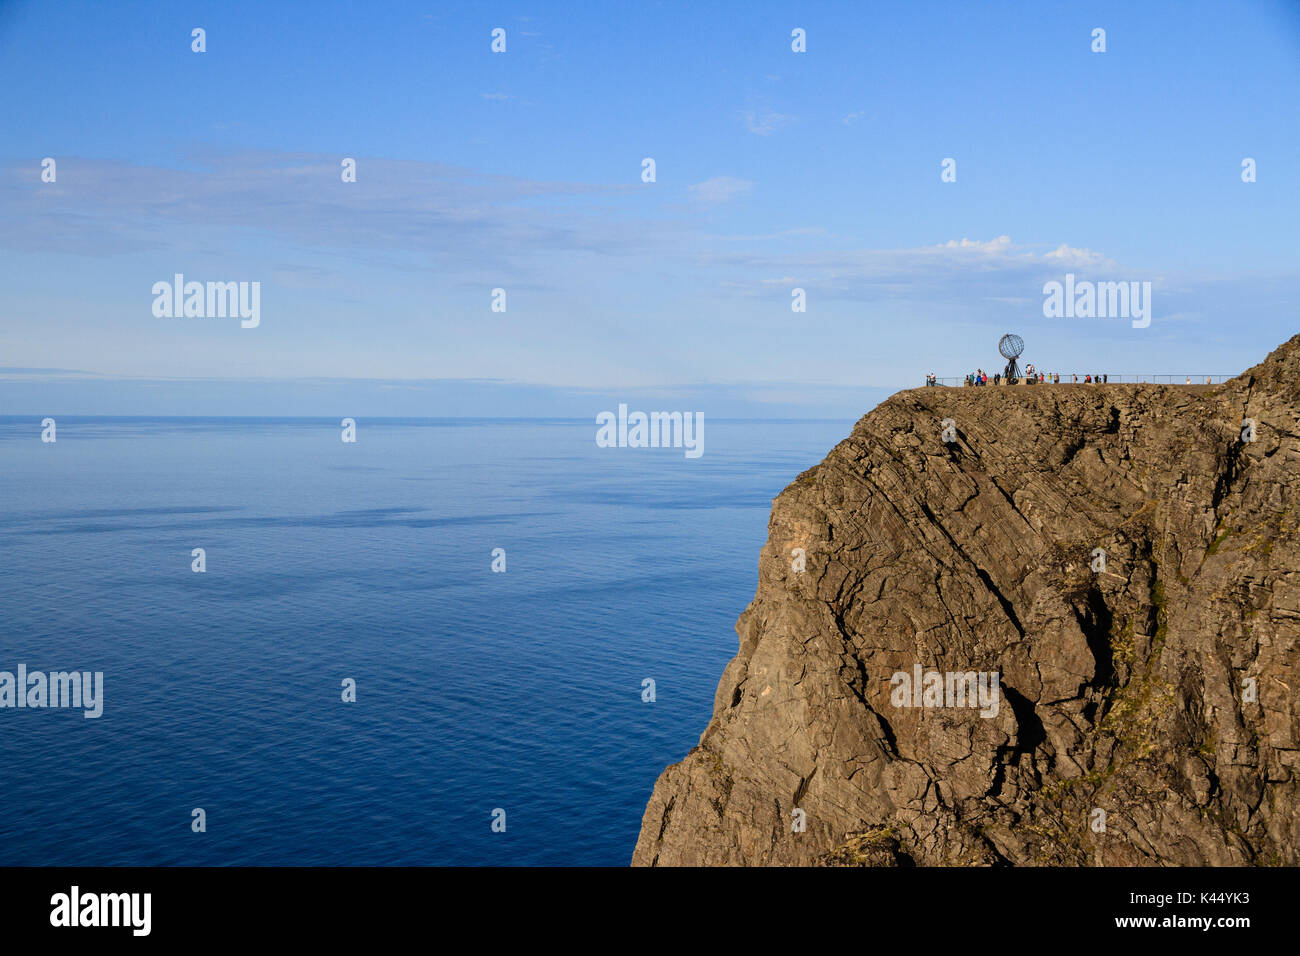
(396, 210)
(719, 189)
(796, 233)
(763, 121)
(1068, 257)
(994, 269)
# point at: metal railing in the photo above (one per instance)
(1078, 378)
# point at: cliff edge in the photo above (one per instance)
(1146, 704)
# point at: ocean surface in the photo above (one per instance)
(476, 690)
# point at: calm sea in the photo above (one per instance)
(476, 690)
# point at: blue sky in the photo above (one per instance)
(522, 171)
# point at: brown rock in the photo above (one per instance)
(1125, 691)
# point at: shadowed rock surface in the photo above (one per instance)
(1127, 691)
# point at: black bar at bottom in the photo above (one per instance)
(369, 904)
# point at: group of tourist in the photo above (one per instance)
(980, 377)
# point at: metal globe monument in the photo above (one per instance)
(1010, 346)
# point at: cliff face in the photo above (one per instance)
(1162, 690)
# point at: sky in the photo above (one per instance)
(522, 170)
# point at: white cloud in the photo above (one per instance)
(993, 270)
(1000, 244)
(719, 189)
(799, 232)
(763, 121)
(395, 212)
(1064, 255)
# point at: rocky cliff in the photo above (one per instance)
(1148, 691)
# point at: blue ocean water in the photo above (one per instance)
(475, 690)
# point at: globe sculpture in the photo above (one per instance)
(1011, 346)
